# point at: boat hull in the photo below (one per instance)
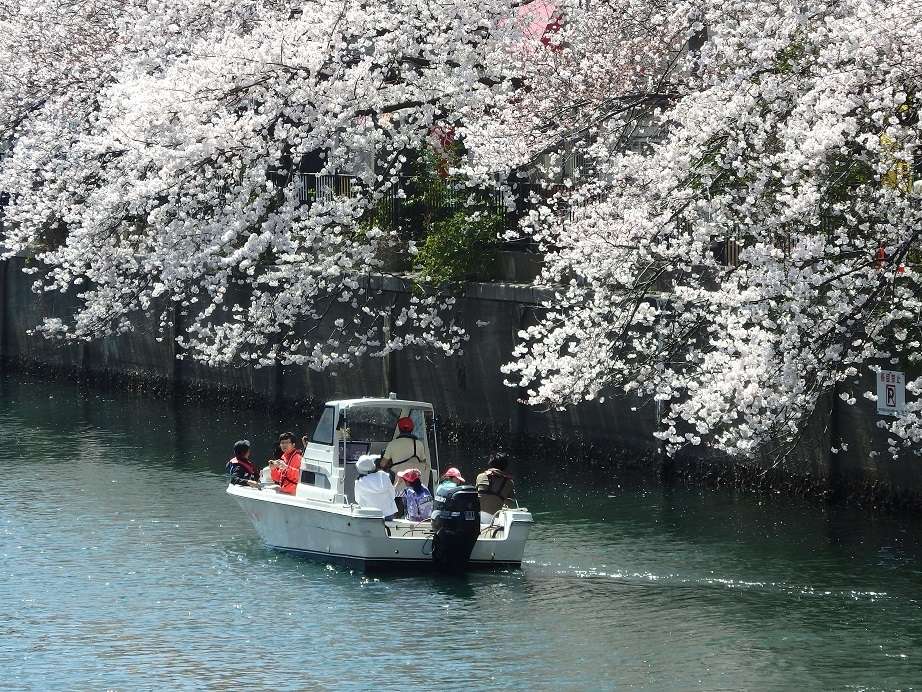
(358, 538)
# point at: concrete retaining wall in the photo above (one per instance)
(469, 394)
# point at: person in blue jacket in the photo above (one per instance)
(415, 497)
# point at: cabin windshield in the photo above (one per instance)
(379, 424)
(371, 423)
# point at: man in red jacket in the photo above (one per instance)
(287, 470)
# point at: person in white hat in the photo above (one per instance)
(373, 488)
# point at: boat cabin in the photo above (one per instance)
(352, 428)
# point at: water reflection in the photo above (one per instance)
(123, 565)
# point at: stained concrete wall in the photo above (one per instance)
(468, 392)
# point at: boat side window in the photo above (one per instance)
(323, 433)
(419, 425)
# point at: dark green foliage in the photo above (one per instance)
(455, 226)
(461, 247)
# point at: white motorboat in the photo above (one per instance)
(322, 521)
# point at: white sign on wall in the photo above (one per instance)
(891, 392)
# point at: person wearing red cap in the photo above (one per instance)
(405, 451)
(416, 498)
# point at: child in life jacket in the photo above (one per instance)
(242, 471)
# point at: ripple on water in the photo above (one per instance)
(129, 568)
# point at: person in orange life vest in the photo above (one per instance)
(287, 470)
(405, 451)
(494, 487)
(243, 471)
(265, 474)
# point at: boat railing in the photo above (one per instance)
(404, 528)
(492, 531)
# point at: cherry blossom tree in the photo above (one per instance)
(155, 151)
(765, 251)
(731, 223)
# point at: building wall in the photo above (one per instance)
(469, 395)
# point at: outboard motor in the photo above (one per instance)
(456, 525)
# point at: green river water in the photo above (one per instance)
(125, 566)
